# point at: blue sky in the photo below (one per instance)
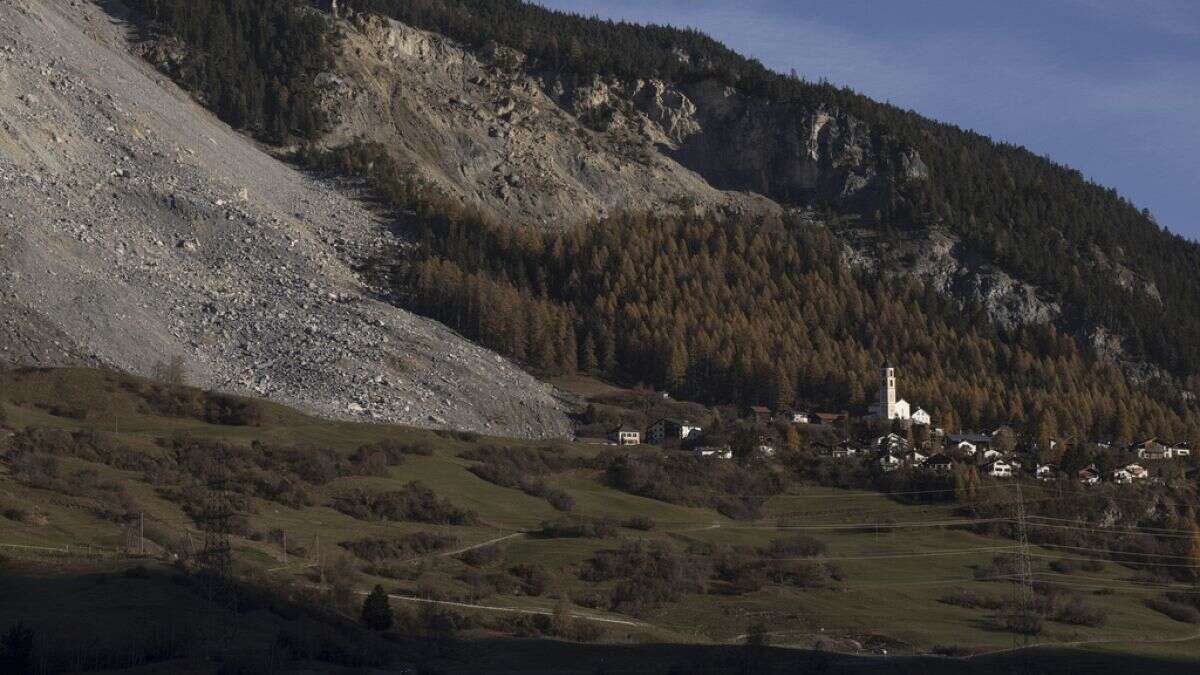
(1110, 87)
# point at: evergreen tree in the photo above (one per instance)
(377, 610)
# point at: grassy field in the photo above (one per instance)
(889, 598)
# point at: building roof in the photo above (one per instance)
(624, 428)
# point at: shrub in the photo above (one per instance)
(691, 481)
(577, 528)
(803, 573)
(1176, 610)
(1078, 613)
(638, 523)
(481, 556)
(534, 578)
(963, 597)
(649, 574)
(796, 546)
(403, 546)
(522, 469)
(414, 502)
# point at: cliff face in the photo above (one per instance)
(478, 127)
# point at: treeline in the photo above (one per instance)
(252, 62)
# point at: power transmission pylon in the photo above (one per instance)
(1027, 619)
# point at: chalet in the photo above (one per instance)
(667, 429)
(713, 451)
(625, 435)
(1089, 475)
(940, 463)
(991, 454)
(891, 443)
(1152, 449)
(797, 417)
(1137, 471)
(889, 462)
(921, 417)
(998, 469)
(1046, 472)
(966, 448)
(843, 450)
(914, 458)
(1122, 477)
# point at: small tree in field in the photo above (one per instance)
(377, 610)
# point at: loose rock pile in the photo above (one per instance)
(135, 227)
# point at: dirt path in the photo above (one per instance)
(514, 610)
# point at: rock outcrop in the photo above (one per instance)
(135, 227)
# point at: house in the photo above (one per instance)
(1137, 472)
(914, 458)
(797, 417)
(1152, 449)
(1122, 477)
(921, 417)
(889, 462)
(966, 448)
(625, 435)
(713, 451)
(668, 429)
(940, 463)
(991, 454)
(891, 443)
(1046, 472)
(998, 469)
(1088, 475)
(844, 450)
(1181, 449)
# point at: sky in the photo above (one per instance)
(1109, 87)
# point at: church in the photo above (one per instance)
(888, 406)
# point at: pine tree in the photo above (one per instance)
(589, 360)
(377, 610)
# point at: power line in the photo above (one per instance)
(1144, 528)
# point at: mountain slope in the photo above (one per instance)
(1005, 286)
(134, 228)
(1109, 266)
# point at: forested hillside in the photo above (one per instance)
(1041, 221)
(762, 312)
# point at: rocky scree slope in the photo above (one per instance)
(135, 227)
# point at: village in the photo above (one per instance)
(894, 435)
